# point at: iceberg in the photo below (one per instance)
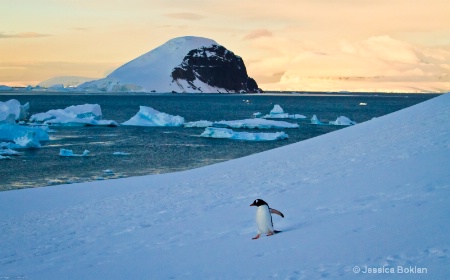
(255, 123)
(13, 107)
(342, 120)
(148, 116)
(78, 115)
(278, 113)
(202, 124)
(69, 153)
(315, 120)
(226, 133)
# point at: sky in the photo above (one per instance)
(298, 45)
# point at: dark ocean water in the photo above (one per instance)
(163, 149)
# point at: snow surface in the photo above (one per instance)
(215, 132)
(375, 194)
(255, 123)
(148, 116)
(76, 115)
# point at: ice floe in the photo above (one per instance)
(120, 154)
(255, 123)
(215, 132)
(148, 116)
(342, 120)
(69, 153)
(198, 124)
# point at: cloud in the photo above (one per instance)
(24, 35)
(185, 16)
(258, 34)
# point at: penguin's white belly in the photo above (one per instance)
(264, 220)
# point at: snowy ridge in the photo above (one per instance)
(373, 195)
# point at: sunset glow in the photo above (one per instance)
(305, 45)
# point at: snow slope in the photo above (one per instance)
(375, 194)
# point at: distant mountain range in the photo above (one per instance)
(182, 65)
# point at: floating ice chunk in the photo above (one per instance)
(278, 113)
(363, 104)
(5, 157)
(78, 115)
(315, 120)
(257, 114)
(29, 140)
(214, 132)
(120, 154)
(276, 110)
(148, 116)
(198, 124)
(13, 107)
(255, 123)
(10, 132)
(69, 153)
(342, 120)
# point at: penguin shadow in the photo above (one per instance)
(292, 227)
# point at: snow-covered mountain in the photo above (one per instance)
(65, 81)
(184, 64)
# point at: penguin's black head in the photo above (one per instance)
(258, 202)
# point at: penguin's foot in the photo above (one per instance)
(270, 233)
(256, 237)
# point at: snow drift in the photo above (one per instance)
(370, 196)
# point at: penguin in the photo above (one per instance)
(264, 218)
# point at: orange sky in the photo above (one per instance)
(324, 45)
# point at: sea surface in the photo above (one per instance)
(155, 150)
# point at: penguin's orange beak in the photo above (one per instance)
(253, 204)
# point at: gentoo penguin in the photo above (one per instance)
(264, 218)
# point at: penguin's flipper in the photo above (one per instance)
(275, 211)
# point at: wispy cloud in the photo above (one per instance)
(24, 35)
(185, 16)
(258, 34)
